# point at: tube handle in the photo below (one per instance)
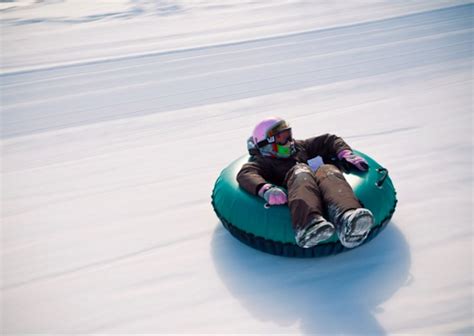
(381, 180)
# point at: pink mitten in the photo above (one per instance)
(355, 160)
(272, 194)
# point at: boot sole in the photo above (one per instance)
(362, 222)
(319, 234)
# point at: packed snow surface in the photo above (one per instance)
(118, 116)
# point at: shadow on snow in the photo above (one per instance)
(339, 294)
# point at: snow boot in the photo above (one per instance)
(353, 226)
(318, 230)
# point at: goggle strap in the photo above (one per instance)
(265, 142)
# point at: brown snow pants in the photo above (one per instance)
(318, 193)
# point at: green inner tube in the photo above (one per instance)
(269, 228)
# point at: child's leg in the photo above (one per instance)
(353, 223)
(335, 191)
(304, 196)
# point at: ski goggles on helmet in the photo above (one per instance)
(280, 135)
(283, 137)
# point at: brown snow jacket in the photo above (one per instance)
(260, 170)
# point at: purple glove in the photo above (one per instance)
(273, 194)
(353, 159)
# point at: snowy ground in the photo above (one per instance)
(118, 116)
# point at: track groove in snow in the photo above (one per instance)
(259, 79)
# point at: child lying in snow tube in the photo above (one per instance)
(331, 207)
